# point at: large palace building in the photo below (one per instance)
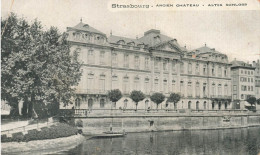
(152, 63)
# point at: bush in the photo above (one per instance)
(55, 131)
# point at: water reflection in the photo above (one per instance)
(244, 141)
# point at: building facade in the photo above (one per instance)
(256, 64)
(243, 82)
(152, 63)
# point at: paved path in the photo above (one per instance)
(22, 126)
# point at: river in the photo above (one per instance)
(243, 141)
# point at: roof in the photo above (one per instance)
(147, 39)
(205, 49)
(115, 39)
(236, 63)
(85, 27)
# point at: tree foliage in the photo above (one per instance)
(114, 95)
(157, 98)
(251, 100)
(258, 101)
(175, 98)
(37, 66)
(137, 96)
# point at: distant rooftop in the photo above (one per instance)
(85, 27)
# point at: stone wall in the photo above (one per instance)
(95, 125)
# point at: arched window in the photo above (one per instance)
(213, 105)
(189, 105)
(226, 105)
(205, 105)
(197, 105)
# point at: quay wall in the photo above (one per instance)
(143, 123)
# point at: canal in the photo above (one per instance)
(243, 141)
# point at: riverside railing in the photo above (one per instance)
(93, 112)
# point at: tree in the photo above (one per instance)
(175, 98)
(258, 101)
(251, 100)
(157, 98)
(114, 95)
(37, 66)
(137, 96)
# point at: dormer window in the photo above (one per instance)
(86, 26)
(121, 42)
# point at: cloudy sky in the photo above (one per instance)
(236, 33)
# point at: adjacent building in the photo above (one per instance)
(256, 64)
(153, 63)
(243, 82)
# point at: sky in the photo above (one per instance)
(235, 33)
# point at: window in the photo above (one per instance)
(235, 96)
(136, 83)
(252, 88)
(173, 66)
(248, 88)
(114, 82)
(248, 79)
(252, 80)
(189, 89)
(213, 70)
(146, 85)
(245, 72)
(252, 72)
(146, 64)
(182, 67)
(219, 89)
(197, 69)
(242, 96)
(173, 86)
(91, 82)
(234, 88)
(102, 57)
(189, 68)
(137, 62)
(225, 72)
(165, 65)
(91, 58)
(126, 60)
(156, 85)
(156, 63)
(213, 89)
(204, 89)
(114, 59)
(241, 71)
(197, 89)
(219, 71)
(126, 85)
(226, 90)
(181, 88)
(165, 85)
(204, 69)
(102, 83)
(205, 105)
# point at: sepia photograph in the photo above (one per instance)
(136, 77)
